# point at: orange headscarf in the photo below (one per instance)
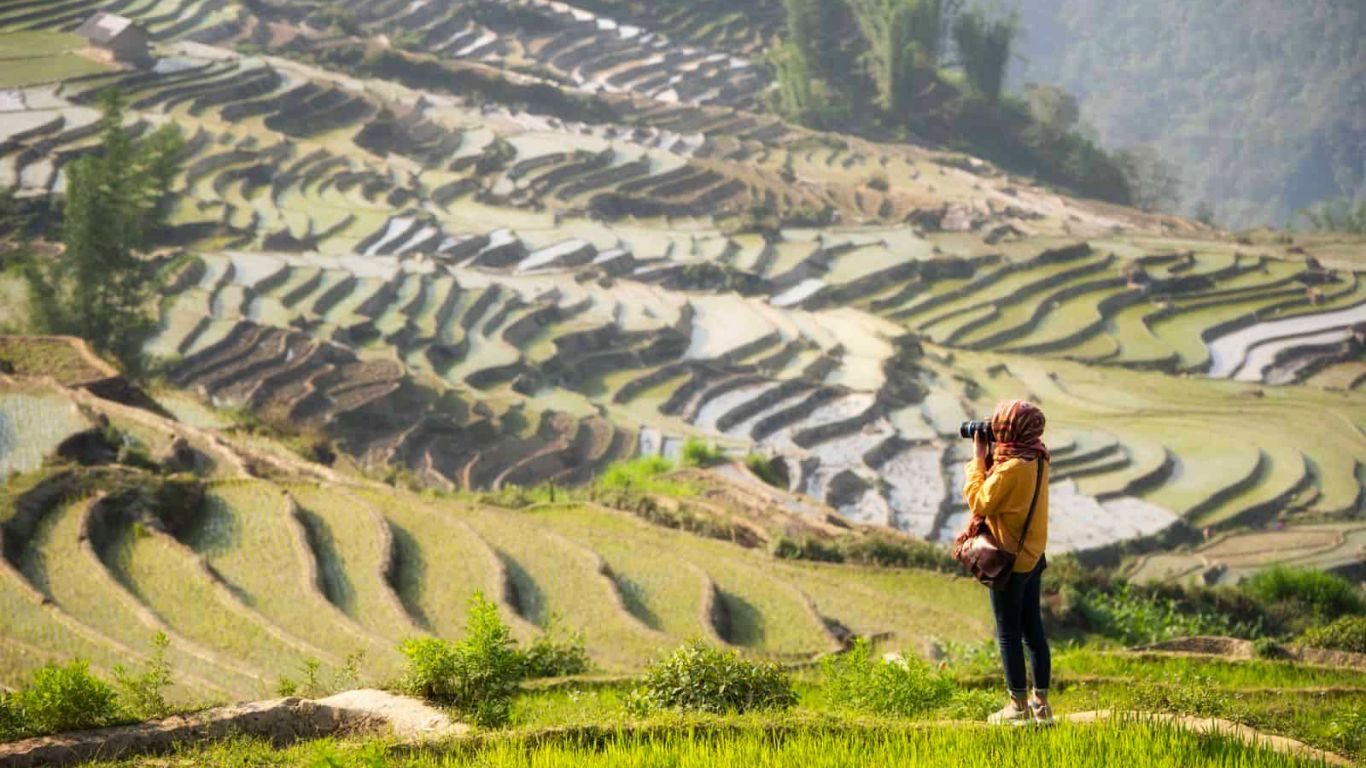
(1018, 428)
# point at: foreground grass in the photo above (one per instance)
(741, 742)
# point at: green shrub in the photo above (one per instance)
(1348, 633)
(807, 548)
(144, 695)
(762, 467)
(556, 654)
(890, 551)
(699, 678)
(1307, 593)
(11, 725)
(643, 474)
(477, 676)
(65, 698)
(1136, 618)
(905, 687)
(700, 453)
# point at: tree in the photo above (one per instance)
(984, 47)
(812, 26)
(1153, 182)
(904, 39)
(116, 202)
(1337, 215)
(1053, 109)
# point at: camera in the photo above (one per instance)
(969, 430)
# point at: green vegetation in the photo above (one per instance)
(700, 453)
(1336, 215)
(59, 697)
(1182, 78)
(985, 47)
(556, 652)
(700, 678)
(905, 687)
(648, 474)
(476, 676)
(1300, 595)
(144, 693)
(117, 201)
(1347, 633)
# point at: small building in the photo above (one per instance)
(118, 38)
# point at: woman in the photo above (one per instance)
(1000, 485)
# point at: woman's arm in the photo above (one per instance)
(984, 492)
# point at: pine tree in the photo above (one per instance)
(116, 202)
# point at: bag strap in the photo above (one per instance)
(1038, 481)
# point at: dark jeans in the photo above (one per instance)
(1019, 626)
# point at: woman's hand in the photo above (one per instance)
(981, 448)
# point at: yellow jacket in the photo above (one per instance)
(1003, 499)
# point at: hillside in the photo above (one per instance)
(518, 258)
(544, 301)
(1257, 104)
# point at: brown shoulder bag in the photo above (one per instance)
(982, 555)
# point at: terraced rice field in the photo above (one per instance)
(569, 234)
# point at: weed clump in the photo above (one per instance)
(144, 693)
(906, 686)
(699, 678)
(700, 453)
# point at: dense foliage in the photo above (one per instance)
(904, 686)
(699, 678)
(476, 676)
(116, 202)
(1257, 102)
(896, 78)
(1348, 633)
(59, 697)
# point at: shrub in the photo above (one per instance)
(1348, 633)
(643, 474)
(807, 548)
(763, 469)
(1316, 595)
(477, 676)
(1135, 618)
(699, 678)
(143, 695)
(905, 687)
(65, 698)
(700, 453)
(11, 726)
(890, 551)
(556, 654)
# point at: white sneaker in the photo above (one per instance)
(1011, 714)
(1041, 712)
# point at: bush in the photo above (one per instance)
(556, 654)
(11, 725)
(700, 453)
(143, 695)
(64, 698)
(890, 551)
(477, 676)
(807, 548)
(763, 469)
(906, 687)
(699, 678)
(643, 474)
(1135, 618)
(1306, 593)
(1348, 633)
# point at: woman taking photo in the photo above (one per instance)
(1000, 489)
